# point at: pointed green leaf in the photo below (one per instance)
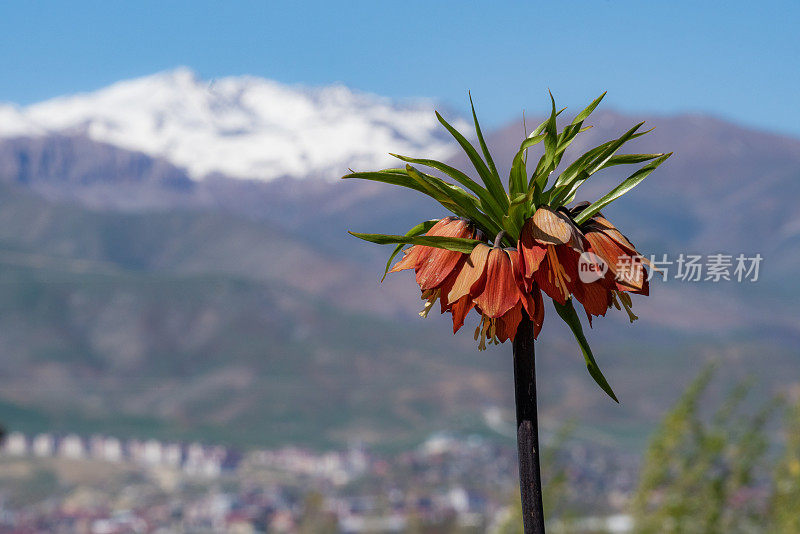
(512, 223)
(629, 159)
(571, 172)
(491, 181)
(570, 180)
(628, 184)
(580, 117)
(569, 315)
(550, 147)
(419, 229)
(456, 244)
(538, 130)
(455, 199)
(392, 178)
(518, 177)
(612, 148)
(487, 201)
(482, 142)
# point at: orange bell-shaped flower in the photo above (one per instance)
(550, 245)
(491, 281)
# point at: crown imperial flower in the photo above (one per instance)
(455, 264)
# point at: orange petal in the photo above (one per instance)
(471, 274)
(605, 247)
(569, 259)
(595, 298)
(516, 262)
(500, 293)
(506, 326)
(545, 279)
(411, 258)
(438, 265)
(460, 309)
(640, 289)
(440, 224)
(631, 276)
(553, 228)
(538, 316)
(611, 231)
(532, 254)
(445, 289)
(417, 254)
(545, 276)
(529, 302)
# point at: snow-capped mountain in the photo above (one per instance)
(240, 127)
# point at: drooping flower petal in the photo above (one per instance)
(557, 275)
(552, 227)
(506, 325)
(500, 292)
(459, 310)
(412, 257)
(619, 254)
(595, 297)
(538, 315)
(433, 269)
(532, 254)
(472, 275)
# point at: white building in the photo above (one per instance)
(172, 455)
(43, 445)
(16, 444)
(71, 446)
(153, 452)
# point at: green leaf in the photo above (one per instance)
(550, 148)
(457, 244)
(455, 199)
(569, 315)
(482, 142)
(628, 184)
(580, 117)
(512, 223)
(518, 177)
(491, 181)
(629, 159)
(589, 163)
(487, 201)
(580, 163)
(386, 177)
(419, 229)
(606, 154)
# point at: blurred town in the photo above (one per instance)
(104, 485)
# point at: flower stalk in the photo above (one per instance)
(530, 478)
(545, 243)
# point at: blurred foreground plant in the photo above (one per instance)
(503, 247)
(785, 500)
(701, 471)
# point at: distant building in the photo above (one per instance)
(153, 452)
(172, 455)
(43, 445)
(71, 446)
(16, 444)
(112, 450)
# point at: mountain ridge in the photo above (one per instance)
(134, 289)
(242, 127)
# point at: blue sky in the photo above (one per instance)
(738, 60)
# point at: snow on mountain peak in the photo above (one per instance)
(241, 127)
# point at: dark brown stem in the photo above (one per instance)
(530, 480)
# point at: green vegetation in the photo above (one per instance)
(701, 470)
